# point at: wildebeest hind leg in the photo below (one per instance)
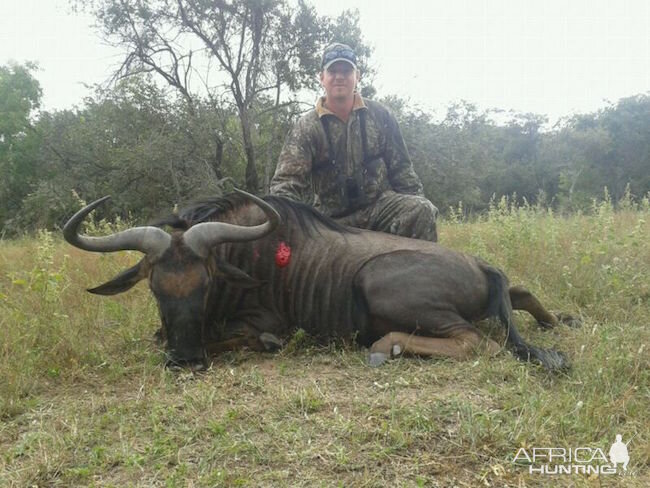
(522, 299)
(461, 346)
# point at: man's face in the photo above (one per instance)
(339, 80)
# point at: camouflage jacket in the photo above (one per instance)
(340, 186)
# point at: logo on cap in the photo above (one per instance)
(338, 52)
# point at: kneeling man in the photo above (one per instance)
(348, 156)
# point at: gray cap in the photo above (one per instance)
(338, 52)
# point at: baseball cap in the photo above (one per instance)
(338, 52)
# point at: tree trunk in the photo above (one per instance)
(573, 184)
(269, 148)
(218, 158)
(252, 182)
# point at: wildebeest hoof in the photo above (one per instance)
(377, 359)
(270, 342)
(194, 366)
(568, 320)
(555, 361)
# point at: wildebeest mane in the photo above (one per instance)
(307, 218)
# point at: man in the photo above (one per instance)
(349, 156)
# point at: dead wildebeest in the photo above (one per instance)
(239, 271)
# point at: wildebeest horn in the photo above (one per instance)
(202, 237)
(149, 240)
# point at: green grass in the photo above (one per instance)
(85, 400)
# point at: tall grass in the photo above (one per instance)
(51, 331)
(85, 400)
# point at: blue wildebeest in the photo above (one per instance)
(219, 284)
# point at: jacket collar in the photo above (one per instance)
(321, 110)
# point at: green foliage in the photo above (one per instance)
(20, 96)
(469, 157)
(153, 147)
(132, 142)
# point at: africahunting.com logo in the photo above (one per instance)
(578, 460)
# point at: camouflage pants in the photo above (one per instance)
(396, 213)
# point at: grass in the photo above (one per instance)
(85, 400)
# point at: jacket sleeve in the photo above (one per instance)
(292, 178)
(401, 174)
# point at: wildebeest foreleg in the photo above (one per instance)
(244, 336)
(460, 346)
(522, 299)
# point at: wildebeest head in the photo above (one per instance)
(180, 268)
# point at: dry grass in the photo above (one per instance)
(85, 401)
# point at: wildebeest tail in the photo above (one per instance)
(499, 306)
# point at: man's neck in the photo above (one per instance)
(342, 108)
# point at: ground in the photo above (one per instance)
(85, 399)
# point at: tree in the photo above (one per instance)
(628, 126)
(20, 97)
(258, 48)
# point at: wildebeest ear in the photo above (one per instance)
(236, 276)
(123, 281)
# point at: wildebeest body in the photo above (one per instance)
(332, 273)
(395, 293)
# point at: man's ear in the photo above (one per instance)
(123, 281)
(236, 276)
